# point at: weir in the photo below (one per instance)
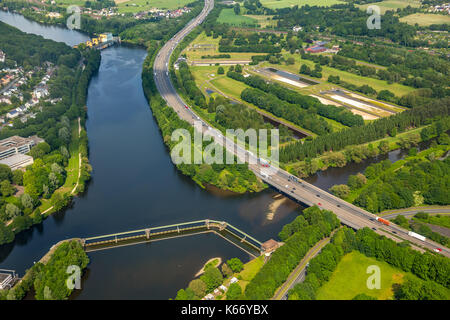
(221, 228)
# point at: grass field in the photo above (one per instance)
(274, 4)
(425, 19)
(194, 53)
(263, 21)
(391, 5)
(143, 5)
(349, 279)
(229, 17)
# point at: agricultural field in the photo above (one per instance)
(391, 5)
(274, 4)
(350, 277)
(228, 16)
(143, 5)
(426, 19)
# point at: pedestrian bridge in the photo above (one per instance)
(221, 228)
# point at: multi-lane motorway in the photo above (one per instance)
(283, 181)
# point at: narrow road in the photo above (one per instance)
(284, 182)
(299, 273)
(391, 214)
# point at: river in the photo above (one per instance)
(134, 185)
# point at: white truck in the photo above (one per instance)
(416, 235)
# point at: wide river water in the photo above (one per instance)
(134, 185)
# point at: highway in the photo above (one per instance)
(281, 180)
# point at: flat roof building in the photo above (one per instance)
(18, 145)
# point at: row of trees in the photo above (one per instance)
(300, 236)
(285, 110)
(372, 131)
(313, 105)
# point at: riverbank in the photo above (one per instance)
(48, 277)
(61, 167)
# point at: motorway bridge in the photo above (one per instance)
(284, 182)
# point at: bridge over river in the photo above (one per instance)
(221, 228)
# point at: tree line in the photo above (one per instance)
(374, 130)
(313, 105)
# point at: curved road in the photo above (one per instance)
(407, 212)
(284, 182)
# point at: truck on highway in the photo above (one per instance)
(383, 221)
(416, 235)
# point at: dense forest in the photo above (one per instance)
(345, 20)
(30, 50)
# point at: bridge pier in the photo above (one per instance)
(147, 233)
(223, 225)
(207, 223)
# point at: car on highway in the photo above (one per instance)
(374, 229)
(186, 106)
(319, 204)
(437, 250)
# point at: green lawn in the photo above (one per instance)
(426, 19)
(144, 5)
(442, 220)
(229, 17)
(350, 277)
(391, 5)
(274, 4)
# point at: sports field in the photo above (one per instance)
(426, 19)
(274, 4)
(391, 5)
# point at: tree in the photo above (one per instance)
(383, 146)
(212, 278)
(17, 177)
(5, 172)
(234, 292)
(363, 296)
(235, 264)
(27, 201)
(237, 8)
(444, 139)
(12, 211)
(6, 188)
(290, 61)
(226, 270)
(64, 135)
(220, 70)
(198, 287)
(340, 190)
(238, 68)
(6, 235)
